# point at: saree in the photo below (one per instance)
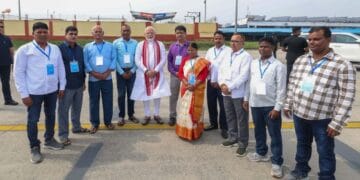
(190, 120)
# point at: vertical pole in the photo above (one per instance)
(236, 14)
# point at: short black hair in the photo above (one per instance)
(326, 30)
(71, 28)
(219, 32)
(194, 45)
(295, 29)
(39, 25)
(180, 28)
(267, 39)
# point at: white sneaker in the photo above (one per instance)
(276, 171)
(255, 157)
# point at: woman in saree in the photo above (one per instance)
(192, 74)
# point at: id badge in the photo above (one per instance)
(260, 88)
(307, 84)
(99, 60)
(50, 69)
(178, 60)
(192, 79)
(74, 66)
(127, 59)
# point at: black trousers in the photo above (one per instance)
(5, 81)
(214, 97)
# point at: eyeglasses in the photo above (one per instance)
(1, 26)
(234, 41)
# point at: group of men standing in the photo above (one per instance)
(319, 94)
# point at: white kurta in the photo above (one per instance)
(139, 89)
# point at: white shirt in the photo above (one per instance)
(30, 70)
(216, 56)
(274, 77)
(234, 72)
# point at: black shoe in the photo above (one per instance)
(133, 119)
(11, 103)
(211, 127)
(229, 143)
(172, 121)
(158, 120)
(224, 134)
(146, 120)
(36, 156)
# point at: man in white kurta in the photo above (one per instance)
(150, 82)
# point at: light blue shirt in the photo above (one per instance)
(93, 50)
(125, 47)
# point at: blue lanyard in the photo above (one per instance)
(42, 51)
(100, 49)
(216, 55)
(263, 72)
(126, 48)
(231, 59)
(72, 52)
(313, 68)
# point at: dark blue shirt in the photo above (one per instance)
(5, 45)
(74, 80)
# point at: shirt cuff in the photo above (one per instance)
(277, 107)
(24, 95)
(335, 125)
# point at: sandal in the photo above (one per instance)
(110, 126)
(81, 130)
(93, 130)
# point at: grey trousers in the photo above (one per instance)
(237, 120)
(72, 98)
(175, 89)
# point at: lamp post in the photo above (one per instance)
(205, 10)
(19, 8)
(236, 14)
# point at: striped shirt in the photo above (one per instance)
(332, 94)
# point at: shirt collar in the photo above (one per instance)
(123, 40)
(269, 60)
(238, 52)
(186, 43)
(329, 56)
(68, 45)
(94, 42)
(220, 48)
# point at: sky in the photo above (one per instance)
(223, 10)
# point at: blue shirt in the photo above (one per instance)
(93, 50)
(125, 47)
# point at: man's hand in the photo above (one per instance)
(61, 93)
(245, 105)
(332, 132)
(106, 74)
(274, 114)
(126, 75)
(97, 75)
(27, 101)
(288, 113)
(225, 89)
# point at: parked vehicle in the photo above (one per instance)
(345, 44)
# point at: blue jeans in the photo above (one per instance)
(105, 88)
(261, 120)
(305, 131)
(125, 86)
(34, 115)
